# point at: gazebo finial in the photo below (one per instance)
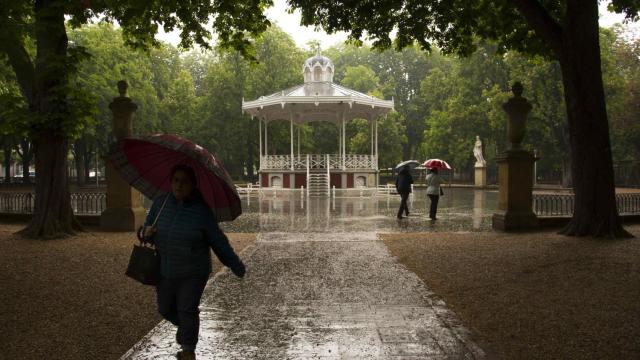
(318, 49)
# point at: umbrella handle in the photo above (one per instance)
(140, 232)
(159, 212)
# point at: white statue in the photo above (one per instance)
(477, 152)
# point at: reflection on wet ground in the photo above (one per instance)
(320, 285)
(460, 209)
(319, 296)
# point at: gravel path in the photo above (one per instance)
(534, 296)
(69, 298)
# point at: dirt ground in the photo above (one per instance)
(69, 298)
(537, 295)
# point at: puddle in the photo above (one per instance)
(459, 210)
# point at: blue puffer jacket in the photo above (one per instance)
(184, 233)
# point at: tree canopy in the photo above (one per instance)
(442, 101)
(35, 42)
(565, 30)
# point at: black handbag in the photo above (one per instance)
(144, 263)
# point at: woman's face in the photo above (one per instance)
(181, 185)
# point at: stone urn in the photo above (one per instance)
(517, 108)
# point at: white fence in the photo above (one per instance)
(363, 191)
(318, 161)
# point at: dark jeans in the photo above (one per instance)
(178, 301)
(403, 204)
(434, 205)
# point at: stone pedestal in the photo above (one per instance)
(479, 200)
(124, 206)
(480, 176)
(515, 175)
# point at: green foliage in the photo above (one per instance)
(67, 111)
(442, 102)
(391, 137)
(360, 78)
(223, 129)
(621, 76)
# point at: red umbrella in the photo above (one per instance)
(146, 163)
(436, 164)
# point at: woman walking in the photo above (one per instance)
(184, 231)
(433, 190)
(403, 186)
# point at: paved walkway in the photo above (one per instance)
(319, 296)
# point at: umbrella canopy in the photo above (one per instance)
(436, 164)
(410, 163)
(146, 163)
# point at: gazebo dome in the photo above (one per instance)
(318, 68)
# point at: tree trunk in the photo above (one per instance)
(250, 162)
(79, 153)
(566, 180)
(87, 165)
(595, 211)
(406, 151)
(27, 155)
(7, 165)
(53, 215)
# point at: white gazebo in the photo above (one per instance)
(318, 99)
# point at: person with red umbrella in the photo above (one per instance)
(190, 197)
(184, 231)
(433, 183)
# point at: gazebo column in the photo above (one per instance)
(344, 143)
(291, 136)
(299, 140)
(371, 133)
(376, 148)
(266, 142)
(376, 128)
(339, 137)
(260, 144)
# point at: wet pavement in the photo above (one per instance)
(460, 209)
(320, 285)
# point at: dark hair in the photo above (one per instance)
(433, 170)
(187, 170)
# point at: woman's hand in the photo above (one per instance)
(149, 231)
(239, 270)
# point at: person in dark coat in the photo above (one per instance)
(183, 234)
(403, 186)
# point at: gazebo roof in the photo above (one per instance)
(317, 100)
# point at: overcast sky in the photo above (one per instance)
(290, 23)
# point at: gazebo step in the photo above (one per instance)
(318, 184)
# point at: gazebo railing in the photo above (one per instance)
(360, 161)
(335, 162)
(318, 161)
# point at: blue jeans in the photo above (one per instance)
(178, 301)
